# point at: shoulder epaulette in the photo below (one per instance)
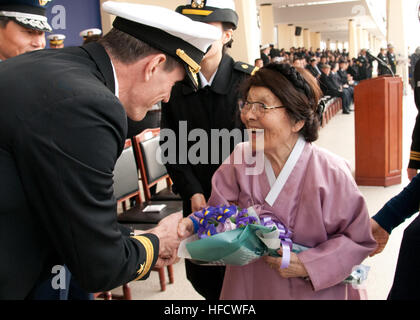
(245, 67)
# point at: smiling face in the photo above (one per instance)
(145, 83)
(16, 40)
(276, 124)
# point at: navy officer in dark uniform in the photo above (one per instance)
(60, 140)
(213, 106)
(414, 164)
(23, 24)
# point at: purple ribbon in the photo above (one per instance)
(285, 235)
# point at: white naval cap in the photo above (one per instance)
(90, 32)
(166, 30)
(56, 39)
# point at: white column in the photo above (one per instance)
(396, 36)
(306, 38)
(267, 24)
(282, 36)
(353, 49)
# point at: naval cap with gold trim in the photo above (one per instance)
(56, 39)
(211, 11)
(28, 13)
(163, 29)
(90, 32)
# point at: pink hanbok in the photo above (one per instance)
(316, 197)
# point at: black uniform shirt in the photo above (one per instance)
(212, 107)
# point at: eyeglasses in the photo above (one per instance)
(259, 108)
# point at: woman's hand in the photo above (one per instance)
(380, 235)
(198, 202)
(296, 269)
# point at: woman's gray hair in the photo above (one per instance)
(128, 49)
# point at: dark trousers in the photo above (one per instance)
(71, 290)
(206, 280)
(406, 284)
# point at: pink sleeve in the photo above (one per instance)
(225, 189)
(349, 238)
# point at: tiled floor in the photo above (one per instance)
(338, 137)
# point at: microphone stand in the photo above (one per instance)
(380, 61)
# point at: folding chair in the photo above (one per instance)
(126, 186)
(146, 144)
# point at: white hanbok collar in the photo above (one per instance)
(277, 184)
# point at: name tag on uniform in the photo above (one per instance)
(418, 84)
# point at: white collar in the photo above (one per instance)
(278, 184)
(204, 81)
(117, 87)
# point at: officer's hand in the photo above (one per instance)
(380, 235)
(168, 260)
(198, 202)
(411, 173)
(167, 232)
(185, 228)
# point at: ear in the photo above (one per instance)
(227, 36)
(154, 63)
(298, 126)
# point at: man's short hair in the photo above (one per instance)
(4, 21)
(128, 49)
(325, 66)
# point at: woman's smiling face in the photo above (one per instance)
(274, 123)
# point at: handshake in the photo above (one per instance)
(171, 231)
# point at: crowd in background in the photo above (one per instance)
(336, 72)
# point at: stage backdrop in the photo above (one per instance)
(70, 17)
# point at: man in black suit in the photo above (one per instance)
(60, 140)
(312, 67)
(383, 56)
(330, 88)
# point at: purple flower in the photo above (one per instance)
(245, 220)
(207, 231)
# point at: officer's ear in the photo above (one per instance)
(227, 36)
(153, 64)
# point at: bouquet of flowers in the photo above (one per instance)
(235, 236)
(229, 235)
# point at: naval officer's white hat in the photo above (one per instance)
(166, 30)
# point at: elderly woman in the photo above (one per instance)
(308, 189)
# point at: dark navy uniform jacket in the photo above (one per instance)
(61, 132)
(212, 107)
(415, 144)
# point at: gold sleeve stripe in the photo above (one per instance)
(415, 158)
(415, 153)
(145, 267)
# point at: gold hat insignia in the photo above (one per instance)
(198, 4)
(43, 2)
